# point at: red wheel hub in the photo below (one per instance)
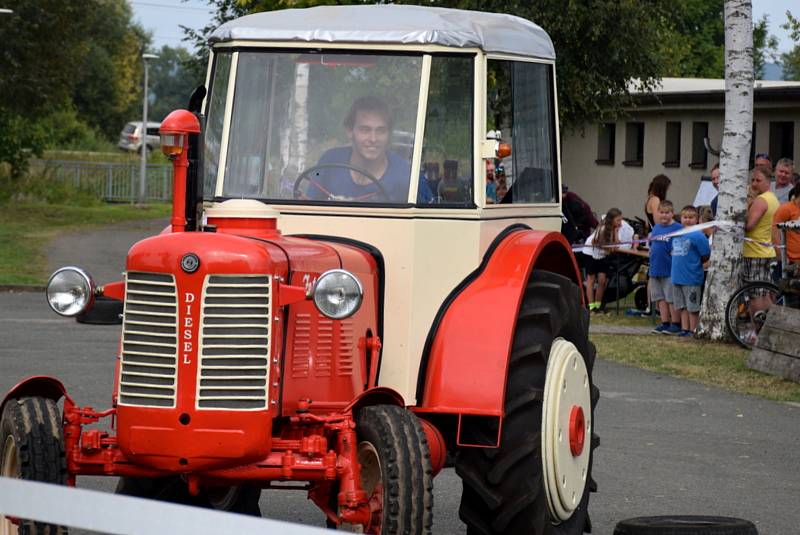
(577, 430)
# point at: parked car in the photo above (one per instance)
(131, 136)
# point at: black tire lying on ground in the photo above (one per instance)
(685, 525)
(504, 488)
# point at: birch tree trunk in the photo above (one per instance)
(726, 253)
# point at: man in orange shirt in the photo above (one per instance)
(788, 211)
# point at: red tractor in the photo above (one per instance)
(340, 298)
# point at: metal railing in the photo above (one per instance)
(115, 182)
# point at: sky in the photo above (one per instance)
(164, 17)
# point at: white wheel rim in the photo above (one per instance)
(566, 397)
(9, 467)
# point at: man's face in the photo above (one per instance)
(665, 216)
(370, 135)
(783, 175)
(763, 162)
(688, 218)
(715, 178)
(490, 170)
(759, 182)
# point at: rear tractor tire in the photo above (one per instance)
(538, 480)
(32, 448)
(395, 471)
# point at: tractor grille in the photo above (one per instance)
(149, 341)
(235, 343)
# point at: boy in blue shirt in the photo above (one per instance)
(689, 251)
(661, 270)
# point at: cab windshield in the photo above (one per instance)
(312, 126)
(339, 128)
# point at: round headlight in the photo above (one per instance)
(70, 291)
(337, 294)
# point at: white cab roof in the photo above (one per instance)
(393, 24)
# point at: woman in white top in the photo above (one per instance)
(607, 232)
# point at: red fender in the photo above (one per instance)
(468, 350)
(38, 385)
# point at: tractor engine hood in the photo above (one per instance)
(197, 385)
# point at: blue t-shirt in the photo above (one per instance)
(687, 263)
(338, 181)
(660, 261)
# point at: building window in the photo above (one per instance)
(752, 147)
(699, 152)
(781, 140)
(672, 148)
(634, 144)
(606, 134)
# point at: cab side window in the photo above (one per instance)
(447, 145)
(520, 104)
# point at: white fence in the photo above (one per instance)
(116, 182)
(122, 515)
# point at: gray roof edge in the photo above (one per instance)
(392, 24)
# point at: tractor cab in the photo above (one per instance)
(383, 135)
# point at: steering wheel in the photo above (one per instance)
(298, 193)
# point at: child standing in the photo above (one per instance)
(597, 247)
(689, 252)
(660, 271)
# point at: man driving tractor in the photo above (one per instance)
(366, 169)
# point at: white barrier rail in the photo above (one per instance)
(124, 515)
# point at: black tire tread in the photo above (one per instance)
(503, 487)
(35, 424)
(398, 437)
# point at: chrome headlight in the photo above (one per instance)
(338, 294)
(70, 291)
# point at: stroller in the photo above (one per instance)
(622, 280)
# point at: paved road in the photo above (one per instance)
(101, 251)
(668, 445)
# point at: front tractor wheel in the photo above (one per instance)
(32, 448)
(538, 480)
(395, 471)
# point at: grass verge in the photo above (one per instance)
(25, 228)
(711, 363)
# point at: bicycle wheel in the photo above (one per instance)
(747, 311)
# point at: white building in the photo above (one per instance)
(611, 164)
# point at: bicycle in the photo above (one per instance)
(746, 312)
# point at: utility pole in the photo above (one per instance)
(143, 148)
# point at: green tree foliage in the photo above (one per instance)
(791, 59)
(68, 71)
(109, 79)
(172, 80)
(601, 44)
(765, 46)
(694, 46)
(34, 78)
